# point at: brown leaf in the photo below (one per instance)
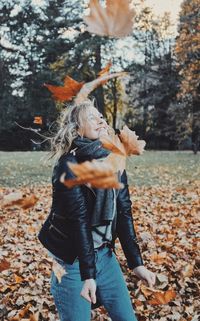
(162, 297)
(28, 202)
(132, 145)
(18, 278)
(118, 162)
(18, 200)
(113, 144)
(21, 313)
(116, 20)
(68, 91)
(11, 198)
(4, 265)
(156, 297)
(98, 174)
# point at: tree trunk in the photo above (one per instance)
(114, 94)
(99, 91)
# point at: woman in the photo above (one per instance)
(83, 224)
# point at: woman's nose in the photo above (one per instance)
(100, 120)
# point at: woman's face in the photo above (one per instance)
(93, 124)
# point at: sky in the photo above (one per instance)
(160, 6)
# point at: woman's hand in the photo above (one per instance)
(89, 290)
(145, 275)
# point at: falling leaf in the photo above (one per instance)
(115, 20)
(11, 198)
(113, 144)
(18, 200)
(132, 145)
(126, 143)
(118, 162)
(58, 270)
(38, 120)
(88, 87)
(95, 173)
(68, 91)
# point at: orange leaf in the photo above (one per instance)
(18, 279)
(132, 145)
(37, 120)
(116, 20)
(4, 265)
(158, 297)
(118, 162)
(97, 174)
(11, 198)
(113, 144)
(68, 91)
(127, 145)
(159, 258)
(162, 297)
(18, 200)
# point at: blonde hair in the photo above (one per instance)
(70, 120)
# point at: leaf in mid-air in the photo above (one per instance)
(115, 20)
(68, 91)
(81, 90)
(113, 143)
(126, 143)
(132, 145)
(99, 174)
(18, 200)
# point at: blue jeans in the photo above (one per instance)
(111, 290)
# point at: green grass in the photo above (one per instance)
(152, 168)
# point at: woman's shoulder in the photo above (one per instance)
(61, 166)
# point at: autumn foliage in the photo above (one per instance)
(166, 222)
(115, 20)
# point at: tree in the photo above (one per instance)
(30, 39)
(153, 83)
(188, 65)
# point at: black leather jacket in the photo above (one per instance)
(67, 233)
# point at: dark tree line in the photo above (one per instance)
(160, 100)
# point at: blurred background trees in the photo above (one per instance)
(43, 43)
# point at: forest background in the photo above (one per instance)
(43, 41)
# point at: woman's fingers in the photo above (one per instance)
(89, 295)
(150, 278)
(85, 295)
(89, 290)
(93, 296)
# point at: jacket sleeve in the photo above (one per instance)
(125, 227)
(73, 203)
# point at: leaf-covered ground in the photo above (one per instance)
(165, 192)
